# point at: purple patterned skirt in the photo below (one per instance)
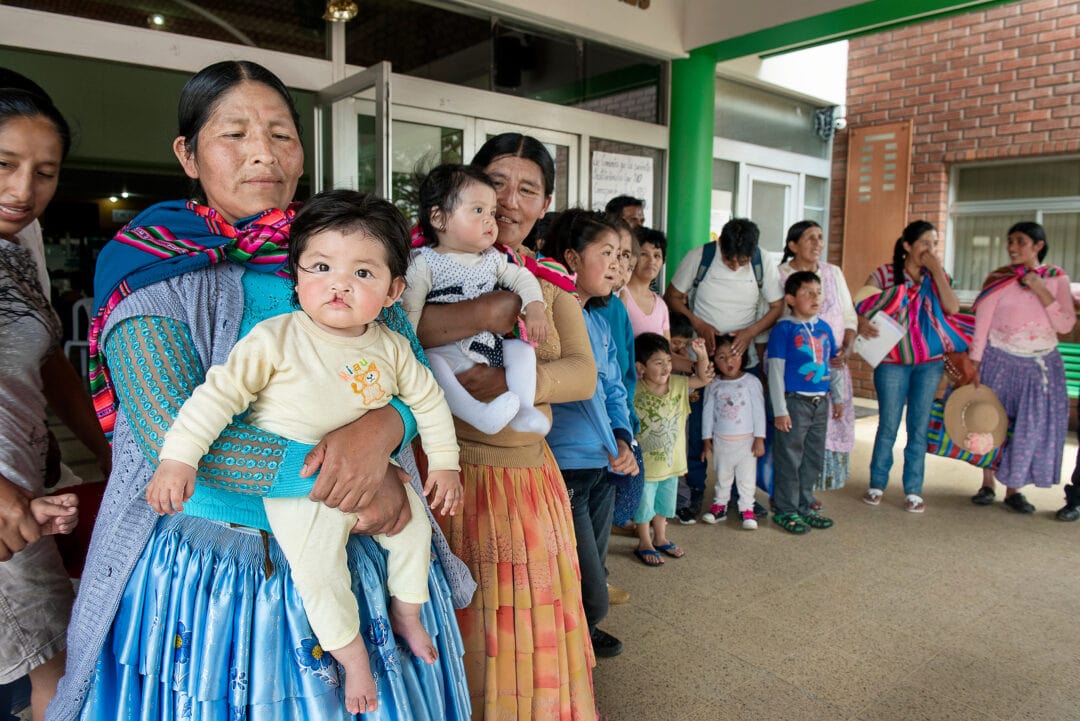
(1035, 399)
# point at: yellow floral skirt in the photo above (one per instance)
(528, 655)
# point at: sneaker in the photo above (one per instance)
(914, 503)
(696, 499)
(1017, 502)
(749, 523)
(984, 497)
(759, 510)
(1068, 513)
(716, 514)
(605, 645)
(685, 517)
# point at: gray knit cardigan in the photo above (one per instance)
(211, 303)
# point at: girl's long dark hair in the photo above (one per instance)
(912, 233)
(575, 229)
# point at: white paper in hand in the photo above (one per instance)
(874, 350)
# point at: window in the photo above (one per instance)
(816, 200)
(989, 199)
(725, 182)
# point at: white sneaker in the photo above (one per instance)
(715, 515)
(749, 523)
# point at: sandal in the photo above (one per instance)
(791, 522)
(914, 504)
(816, 520)
(649, 557)
(671, 549)
(873, 496)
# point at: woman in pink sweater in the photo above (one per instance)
(1021, 310)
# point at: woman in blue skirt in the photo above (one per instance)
(197, 618)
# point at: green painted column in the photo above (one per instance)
(690, 154)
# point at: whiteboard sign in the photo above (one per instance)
(617, 174)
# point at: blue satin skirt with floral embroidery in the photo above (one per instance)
(203, 634)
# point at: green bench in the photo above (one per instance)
(1070, 354)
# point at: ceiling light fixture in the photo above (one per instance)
(113, 199)
(340, 11)
(155, 21)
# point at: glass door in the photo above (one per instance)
(337, 131)
(420, 140)
(769, 199)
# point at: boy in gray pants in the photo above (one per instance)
(801, 346)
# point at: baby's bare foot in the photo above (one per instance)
(405, 620)
(360, 693)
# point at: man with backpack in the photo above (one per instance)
(740, 295)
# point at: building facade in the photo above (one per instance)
(993, 102)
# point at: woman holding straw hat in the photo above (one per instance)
(1021, 310)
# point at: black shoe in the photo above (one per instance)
(1068, 513)
(685, 516)
(696, 500)
(1017, 502)
(605, 645)
(759, 510)
(984, 497)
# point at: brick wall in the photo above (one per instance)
(995, 84)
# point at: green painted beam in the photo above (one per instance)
(693, 87)
(861, 19)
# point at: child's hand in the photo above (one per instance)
(758, 448)
(57, 514)
(448, 493)
(698, 346)
(706, 450)
(783, 424)
(172, 484)
(624, 463)
(536, 325)
(837, 410)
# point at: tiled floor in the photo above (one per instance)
(962, 613)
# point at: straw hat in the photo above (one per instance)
(975, 419)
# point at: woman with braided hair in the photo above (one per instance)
(180, 616)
